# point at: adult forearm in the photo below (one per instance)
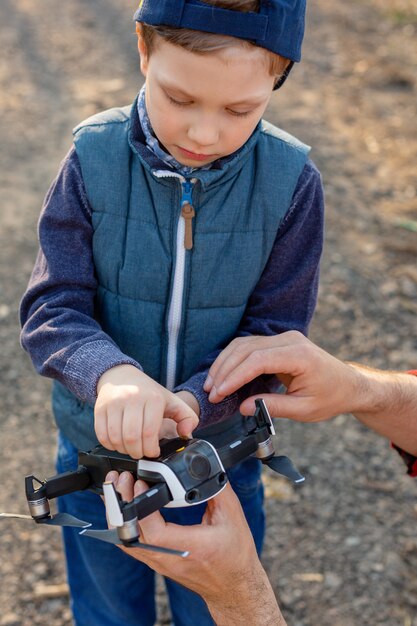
(387, 403)
(248, 601)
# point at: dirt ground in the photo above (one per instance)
(341, 550)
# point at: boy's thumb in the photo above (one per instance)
(186, 425)
(184, 416)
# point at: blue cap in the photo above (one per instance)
(278, 27)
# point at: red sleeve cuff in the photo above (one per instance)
(409, 459)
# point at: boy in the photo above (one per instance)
(171, 228)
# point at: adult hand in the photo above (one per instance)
(222, 566)
(130, 409)
(318, 385)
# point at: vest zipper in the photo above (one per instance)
(184, 242)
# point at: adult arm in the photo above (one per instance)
(285, 296)
(319, 386)
(386, 401)
(222, 567)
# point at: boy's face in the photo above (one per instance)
(203, 107)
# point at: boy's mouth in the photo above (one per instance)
(196, 156)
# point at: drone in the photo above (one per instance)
(187, 472)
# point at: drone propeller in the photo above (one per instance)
(284, 466)
(65, 519)
(115, 516)
(14, 516)
(112, 536)
(60, 519)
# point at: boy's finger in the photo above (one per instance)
(183, 415)
(114, 427)
(186, 426)
(152, 419)
(132, 430)
(100, 427)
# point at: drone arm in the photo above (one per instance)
(254, 437)
(152, 500)
(236, 451)
(57, 485)
(68, 482)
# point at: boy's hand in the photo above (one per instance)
(130, 408)
(191, 400)
(169, 428)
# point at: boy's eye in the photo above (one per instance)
(183, 103)
(178, 103)
(239, 113)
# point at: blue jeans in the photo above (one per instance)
(110, 588)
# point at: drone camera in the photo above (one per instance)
(198, 465)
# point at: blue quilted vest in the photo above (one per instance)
(135, 215)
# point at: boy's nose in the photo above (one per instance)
(203, 133)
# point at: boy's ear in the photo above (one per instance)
(143, 52)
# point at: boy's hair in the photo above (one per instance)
(203, 43)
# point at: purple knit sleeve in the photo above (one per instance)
(57, 310)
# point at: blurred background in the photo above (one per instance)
(341, 550)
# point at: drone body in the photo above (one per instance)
(187, 472)
(191, 468)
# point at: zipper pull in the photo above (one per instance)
(188, 213)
